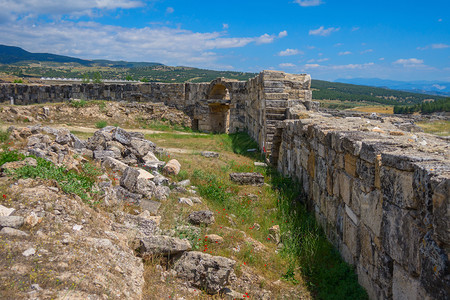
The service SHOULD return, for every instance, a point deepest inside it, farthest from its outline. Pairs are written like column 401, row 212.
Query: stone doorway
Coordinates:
column 219, row 117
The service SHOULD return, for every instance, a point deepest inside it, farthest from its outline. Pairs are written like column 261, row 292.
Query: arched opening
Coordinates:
column 219, row 117
column 219, row 92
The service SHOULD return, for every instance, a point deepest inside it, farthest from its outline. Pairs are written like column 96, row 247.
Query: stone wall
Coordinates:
column 381, row 195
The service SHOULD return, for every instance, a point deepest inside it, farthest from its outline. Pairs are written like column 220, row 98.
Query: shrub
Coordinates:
column 77, row 104
column 4, row 136
column 101, row 124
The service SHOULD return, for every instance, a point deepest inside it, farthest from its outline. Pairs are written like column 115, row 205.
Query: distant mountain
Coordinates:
column 440, row 88
column 12, row 55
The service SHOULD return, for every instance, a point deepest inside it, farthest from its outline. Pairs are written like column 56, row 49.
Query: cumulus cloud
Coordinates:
column 282, row 34
column 52, row 7
column 409, row 62
column 307, row 3
column 322, row 31
column 344, row 53
column 289, row 52
column 287, row 65
column 94, row 40
column 312, row 66
column 318, row 60
column 434, row 46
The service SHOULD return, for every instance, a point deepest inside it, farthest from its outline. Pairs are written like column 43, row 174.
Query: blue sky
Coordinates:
column 399, row 40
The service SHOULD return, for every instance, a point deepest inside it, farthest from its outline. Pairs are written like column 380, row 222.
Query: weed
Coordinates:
column 78, row 104
column 101, row 124
column 69, row 181
column 4, row 136
column 9, row 156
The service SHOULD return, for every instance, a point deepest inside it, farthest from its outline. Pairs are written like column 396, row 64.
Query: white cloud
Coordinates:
column 170, row 10
column 92, row 40
column 439, row 20
column 439, row 87
column 355, row 28
column 307, row 3
column 282, row 34
column 289, row 52
column 434, row 46
column 322, row 31
column 366, row 51
column 340, row 67
column 338, row 45
column 439, row 46
column 225, row 26
column 286, row 65
column 57, row 7
column 318, row 60
column 311, row 47
column 344, row 53
column 409, row 62
column 312, row 66
column 381, row 58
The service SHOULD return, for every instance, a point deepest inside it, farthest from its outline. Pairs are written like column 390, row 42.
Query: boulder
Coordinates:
column 172, row 167
column 160, row 180
column 13, row 232
column 201, row 217
column 125, row 195
column 145, row 186
column 204, row 271
column 103, row 154
column 11, row 221
column 114, row 164
column 151, row 206
column 141, row 147
column 247, row 178
column 274, row 234
column 161, row 192
column 121, row 136
column 99, row 139
column 63, row 137
column 163, row 245
column 5, row 211
column 77, row 143
column 186, row 201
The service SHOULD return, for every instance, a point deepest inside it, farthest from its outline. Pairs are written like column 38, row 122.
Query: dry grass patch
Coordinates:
column 441, row 127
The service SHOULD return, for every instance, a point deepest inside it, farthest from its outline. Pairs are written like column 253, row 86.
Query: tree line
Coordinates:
column 442, row 105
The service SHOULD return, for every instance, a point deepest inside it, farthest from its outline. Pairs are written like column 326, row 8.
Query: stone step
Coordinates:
column 276, row 116
column 275, row 110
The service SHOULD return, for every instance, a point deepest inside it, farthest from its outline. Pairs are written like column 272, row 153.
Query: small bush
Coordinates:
column 78, row 104
column 101, row 124
column 4, row 136
column 9, row 156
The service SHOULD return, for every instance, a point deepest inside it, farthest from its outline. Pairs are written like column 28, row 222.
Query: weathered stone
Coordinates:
column 114, row 164
column 247, row 178
column 397, row 187
column 201, row 217
column 151, row 206
column 129, row 178
column 161, row 192
column 13, row 232
column 163, row 245
column 121, row 136
column 11, row 221
column 145, row 186
column 275, row 234
column 172, row 167
column 5, row 211
column 202, row 270
column 102, row 154
column 210, row 154
column 186, row 201
column 125, row 195
column 141, row 147
column 14, row 165
column 214, row 238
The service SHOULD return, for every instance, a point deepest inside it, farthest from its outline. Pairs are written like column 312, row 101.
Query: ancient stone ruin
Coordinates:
column 379, row 189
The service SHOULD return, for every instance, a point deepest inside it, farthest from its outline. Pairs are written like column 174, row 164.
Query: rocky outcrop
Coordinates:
column 204, row 271
column 204, row 217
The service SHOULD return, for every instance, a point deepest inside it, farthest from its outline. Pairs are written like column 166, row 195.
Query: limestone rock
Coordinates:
column 172, row 167
column 201, row 217
column 163, row 245
column 247, row 178
column 210, row 154
column 13, row 232
column 5, row 211
column 214, row 238
column 186, row 201
column 161, row 192
column 14, row 165
column 114, row 164
column 205, row 271
column 275, row 234
column 11, row 221
column 121, row 136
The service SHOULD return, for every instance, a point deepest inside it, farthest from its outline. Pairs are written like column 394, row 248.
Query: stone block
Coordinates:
column 402, row 236
column 350, row 164
column 405, row 286
column 397, row 187
column 371, row 205
column 345, row 187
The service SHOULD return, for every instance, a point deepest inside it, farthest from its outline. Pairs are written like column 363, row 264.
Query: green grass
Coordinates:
column 4, row 136
column 162, row 125
column 9, row 156
column 80, row 183
column 101, row 124
column 77, row 104
column 441, row 128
